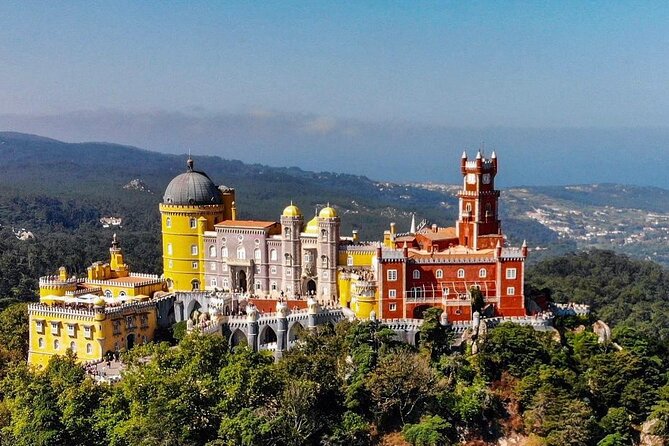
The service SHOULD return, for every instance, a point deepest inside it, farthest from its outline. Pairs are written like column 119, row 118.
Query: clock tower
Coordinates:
column 478, row 225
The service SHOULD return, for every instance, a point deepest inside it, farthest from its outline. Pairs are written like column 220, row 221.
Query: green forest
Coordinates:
column 351, row 384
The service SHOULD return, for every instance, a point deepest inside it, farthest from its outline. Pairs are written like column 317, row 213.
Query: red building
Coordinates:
column 442, row 266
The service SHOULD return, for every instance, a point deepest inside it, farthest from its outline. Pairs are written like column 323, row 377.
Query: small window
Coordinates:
column 108, row 294
column 40, row 342
column 439, row 274
column 392, row 294
column 195, row 284
column 272, row 270
column 194, row 265
column 392, row 275
column 240, row 238
column 213, row 282
column 212, row 266
column 461, row 273
column 392, row 307
column 326, row 274
column 73, row 347
column 416, row 274
column 511, row 273
column 193, row 223
column 324, row 234
column 273, row 255
column 510, row 291
column 169, row 249
column 89, row 348
column 289, row 260
column 121, row 294
column 168, row 222
column 289, row 272
column 56, row 344
column 40, row 326
column 324, row 262
column 193, row 249
column 257, row 285
column 71, row 329
column 55, row 328
column 224, row 252
column 273, row 286
column 170, row 263
column 257, row 254
column 349, row 261
column 212, row 251
column 483, row 273
column 241, row 253
column 225, row 284
column 445, row 291
column 87, row 331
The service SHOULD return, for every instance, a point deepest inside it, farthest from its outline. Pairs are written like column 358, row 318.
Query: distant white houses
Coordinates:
column 111, row 221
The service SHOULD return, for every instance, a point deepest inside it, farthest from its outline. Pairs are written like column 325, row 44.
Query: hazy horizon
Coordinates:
column 565, row 92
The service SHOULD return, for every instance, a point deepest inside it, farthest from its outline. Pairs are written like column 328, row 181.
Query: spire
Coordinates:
column 413, row 224
column 114, row 242
column 464, row 154
column 478, row 155
column 189, row 162
column 493, row 155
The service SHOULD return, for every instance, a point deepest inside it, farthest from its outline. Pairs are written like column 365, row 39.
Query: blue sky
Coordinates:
column 295, row 82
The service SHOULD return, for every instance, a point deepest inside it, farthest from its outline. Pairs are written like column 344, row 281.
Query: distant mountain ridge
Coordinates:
column 94, row 174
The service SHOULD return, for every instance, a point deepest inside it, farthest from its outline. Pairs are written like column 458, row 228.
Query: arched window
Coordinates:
column 212, row 251
column 193, row 250
column 324, row 262
column 73, row 347
column 213, row 282
column 193, row 223
column 349, row 261
column 273, row 255
column 108, row 294
column 169, row 249
column 461, row 273
column 439, row 274
column 121, row 293
column 168, row 222
column 289, row 260
column 224, row 252
column 89, row 348
column 324, row 234
column 483, row 273
column 195, row 284
column 256, row 254
column 241, row 253
column 287, row 232
column 56, row 344
column 445, row 291
column 225, row 284
column 273, row 286
column 416, row 274
column 41, row 342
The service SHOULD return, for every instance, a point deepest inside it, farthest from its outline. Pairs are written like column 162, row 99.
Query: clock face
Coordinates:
column 486, row 178
column 471, row 178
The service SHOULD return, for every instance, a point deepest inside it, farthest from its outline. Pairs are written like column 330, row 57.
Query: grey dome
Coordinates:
column 192, row 188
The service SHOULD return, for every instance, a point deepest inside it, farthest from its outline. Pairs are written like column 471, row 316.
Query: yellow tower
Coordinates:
column 192, row 204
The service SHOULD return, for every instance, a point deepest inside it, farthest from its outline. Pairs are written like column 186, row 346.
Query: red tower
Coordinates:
column 478, row 226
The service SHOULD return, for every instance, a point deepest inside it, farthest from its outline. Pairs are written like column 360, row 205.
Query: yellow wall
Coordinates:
column 102, row 337
column 178, row 266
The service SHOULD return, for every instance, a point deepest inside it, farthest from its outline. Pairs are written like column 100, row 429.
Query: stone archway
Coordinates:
column 241, row 281
column 193, row 306
column 311, row 287
column 267, row 335
column 130, row 341
column 295, row 332
column 238, row 337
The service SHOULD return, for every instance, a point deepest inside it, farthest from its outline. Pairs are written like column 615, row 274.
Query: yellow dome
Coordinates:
column 312, row 226
column 327, row 212
column 292, row 211
column 99, row 302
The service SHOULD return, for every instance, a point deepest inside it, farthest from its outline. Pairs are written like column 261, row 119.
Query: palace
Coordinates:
column 109, row 310
column 215, row 264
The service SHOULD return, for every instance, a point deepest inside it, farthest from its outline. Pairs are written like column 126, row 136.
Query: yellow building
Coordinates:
column 111, row 309
column 192, row 204
column 356, row 278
